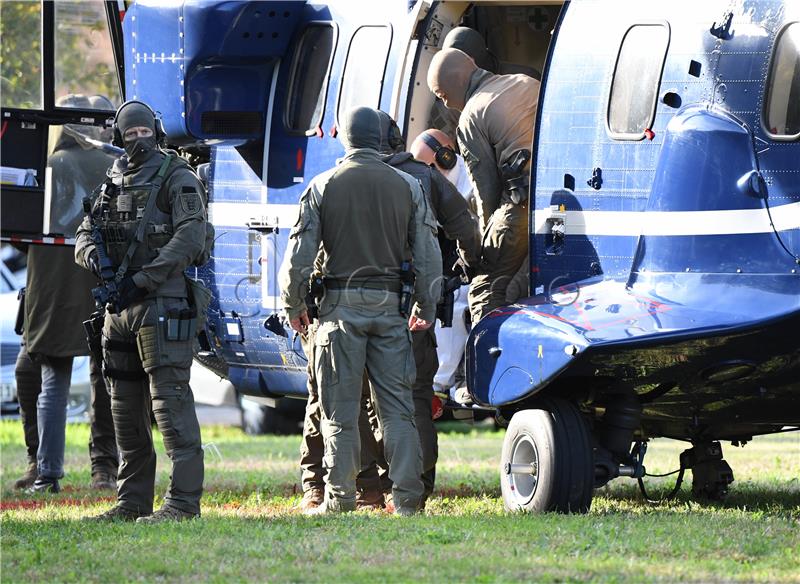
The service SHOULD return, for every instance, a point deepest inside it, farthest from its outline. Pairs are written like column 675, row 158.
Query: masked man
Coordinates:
column 495, row 134
column 151, row 213
column 377, row 233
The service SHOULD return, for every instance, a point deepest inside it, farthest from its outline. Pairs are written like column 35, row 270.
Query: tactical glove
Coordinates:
column 93, row 262
column 129, row 293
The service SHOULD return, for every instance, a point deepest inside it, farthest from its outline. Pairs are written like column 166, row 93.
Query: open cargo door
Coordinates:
column 61, row 83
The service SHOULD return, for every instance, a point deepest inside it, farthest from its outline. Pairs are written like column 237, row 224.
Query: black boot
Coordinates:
column 45, row 485
column 104, row 481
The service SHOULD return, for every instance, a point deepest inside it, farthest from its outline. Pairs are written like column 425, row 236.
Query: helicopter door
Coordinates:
column 60, row 86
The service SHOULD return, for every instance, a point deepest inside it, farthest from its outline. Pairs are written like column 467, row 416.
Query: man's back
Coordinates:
column 504, row 106
column 365, row 218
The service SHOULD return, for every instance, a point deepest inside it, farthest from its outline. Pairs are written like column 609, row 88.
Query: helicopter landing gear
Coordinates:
column 547, row 461
column 711, row 475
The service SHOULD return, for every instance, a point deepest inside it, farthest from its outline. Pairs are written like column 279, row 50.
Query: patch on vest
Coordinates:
column 190, row 200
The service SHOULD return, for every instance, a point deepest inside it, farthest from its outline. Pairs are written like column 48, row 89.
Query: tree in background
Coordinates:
column 20, row 57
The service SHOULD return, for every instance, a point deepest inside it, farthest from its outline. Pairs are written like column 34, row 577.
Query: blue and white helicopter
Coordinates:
column 664, row 216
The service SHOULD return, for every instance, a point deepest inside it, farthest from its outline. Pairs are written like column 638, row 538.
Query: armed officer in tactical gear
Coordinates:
column 376, row 230
column 495, row 134
column 151, row 213
column 450, row 209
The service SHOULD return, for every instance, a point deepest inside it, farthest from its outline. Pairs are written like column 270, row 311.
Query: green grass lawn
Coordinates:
column 249, row 530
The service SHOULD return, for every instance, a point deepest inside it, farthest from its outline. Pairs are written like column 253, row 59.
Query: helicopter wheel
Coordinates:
column 547, row 461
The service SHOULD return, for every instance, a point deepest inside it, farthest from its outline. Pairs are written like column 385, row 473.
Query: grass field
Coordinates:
column 249, row 530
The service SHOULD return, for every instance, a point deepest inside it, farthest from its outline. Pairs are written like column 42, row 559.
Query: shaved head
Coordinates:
column 448, row 77
column 424, row 153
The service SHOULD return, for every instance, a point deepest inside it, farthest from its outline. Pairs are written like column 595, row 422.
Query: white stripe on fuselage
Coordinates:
column 635, row 223
column 621, row 223
column 239, row 214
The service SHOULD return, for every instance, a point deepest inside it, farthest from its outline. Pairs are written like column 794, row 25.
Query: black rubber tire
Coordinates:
column 558, row 437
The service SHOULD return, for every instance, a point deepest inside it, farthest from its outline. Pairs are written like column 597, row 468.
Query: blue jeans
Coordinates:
column 51, row 410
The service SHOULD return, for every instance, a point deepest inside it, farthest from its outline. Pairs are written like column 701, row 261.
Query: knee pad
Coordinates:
column 177, row 423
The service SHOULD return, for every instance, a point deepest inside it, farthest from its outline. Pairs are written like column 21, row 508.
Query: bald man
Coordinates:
column 432, row 141
column 498, row 113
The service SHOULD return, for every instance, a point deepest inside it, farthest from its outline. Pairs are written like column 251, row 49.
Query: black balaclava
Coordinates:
column 361, row 128
column 471, row 42
column 391, row 137
column 132, row 115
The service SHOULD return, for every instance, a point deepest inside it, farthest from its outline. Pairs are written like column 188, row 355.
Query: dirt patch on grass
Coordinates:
column 28, row 504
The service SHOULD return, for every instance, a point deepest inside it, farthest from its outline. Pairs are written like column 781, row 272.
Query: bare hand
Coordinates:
column 301, row 323
column 417, row 324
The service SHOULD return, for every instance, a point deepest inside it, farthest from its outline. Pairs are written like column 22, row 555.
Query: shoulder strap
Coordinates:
column 148, row 212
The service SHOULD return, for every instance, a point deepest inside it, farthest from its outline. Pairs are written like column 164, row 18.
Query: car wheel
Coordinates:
column 547, row 460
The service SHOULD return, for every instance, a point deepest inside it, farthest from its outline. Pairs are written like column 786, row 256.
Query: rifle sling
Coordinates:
column 148, row 212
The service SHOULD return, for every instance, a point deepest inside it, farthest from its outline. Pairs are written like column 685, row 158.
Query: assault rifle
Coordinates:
column 106, row 295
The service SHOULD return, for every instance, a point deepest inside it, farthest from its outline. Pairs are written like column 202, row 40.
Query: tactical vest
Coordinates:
column 122, row 213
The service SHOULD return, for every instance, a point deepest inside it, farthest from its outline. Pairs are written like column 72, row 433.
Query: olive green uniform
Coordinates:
column 369, row 218
column 312, row 446
column 141, row 364
column 496, row 122
column 451, row 211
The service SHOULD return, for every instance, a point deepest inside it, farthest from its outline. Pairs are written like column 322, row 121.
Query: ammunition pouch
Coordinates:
column 167, row 342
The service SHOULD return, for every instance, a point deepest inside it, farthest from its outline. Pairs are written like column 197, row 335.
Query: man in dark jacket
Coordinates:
column 57, row 301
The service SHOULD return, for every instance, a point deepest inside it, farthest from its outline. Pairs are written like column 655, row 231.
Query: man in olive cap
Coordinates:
column 495, row 129
column 152, row 211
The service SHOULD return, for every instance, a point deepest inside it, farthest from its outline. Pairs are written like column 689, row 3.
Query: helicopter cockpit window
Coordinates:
column 634, row 88
column 363, row 72
column 782, row 109
column 84, row 58
column 308, row 88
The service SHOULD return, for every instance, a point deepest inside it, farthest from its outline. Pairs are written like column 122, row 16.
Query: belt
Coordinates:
column 391, row 286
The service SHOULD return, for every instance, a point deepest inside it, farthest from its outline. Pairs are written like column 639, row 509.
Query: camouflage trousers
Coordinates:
column 144, row 370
